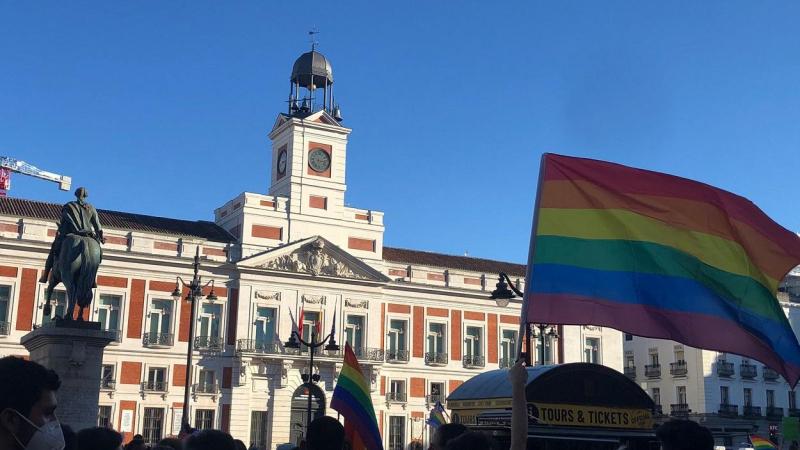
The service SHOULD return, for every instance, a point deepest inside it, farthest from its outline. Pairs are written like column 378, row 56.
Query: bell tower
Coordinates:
column 309, row 143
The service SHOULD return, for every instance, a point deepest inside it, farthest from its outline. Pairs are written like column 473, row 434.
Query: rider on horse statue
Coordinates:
column 75, row 254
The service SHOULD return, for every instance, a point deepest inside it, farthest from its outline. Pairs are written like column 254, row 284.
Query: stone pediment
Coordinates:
column 314, row 256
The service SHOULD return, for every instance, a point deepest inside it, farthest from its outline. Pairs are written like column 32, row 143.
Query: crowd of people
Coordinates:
column 28, row 421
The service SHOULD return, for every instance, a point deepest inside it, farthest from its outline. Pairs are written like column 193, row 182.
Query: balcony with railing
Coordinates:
column 748, row 371
column 397, row 356
column 652, row 371
column 724, row 368
column 728, row 410
column 473, row 361
column 205, row 388
column 209, row 343
column 254, row 346
column 679, row 409
column 116, row 334
column 630, row 372
column 774, row 412
column 435, row 359
column 658, row 410
column 505, row 363
column 5, row 328
column 154, row 386
column 431, row 399
column 107, row 384
column 367, row 353
column 678, row 369
column 395, row 397
column 769, row 374
column 751, row 411
column 157, row 340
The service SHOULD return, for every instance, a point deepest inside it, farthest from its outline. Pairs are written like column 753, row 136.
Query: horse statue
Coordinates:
column 74, row 256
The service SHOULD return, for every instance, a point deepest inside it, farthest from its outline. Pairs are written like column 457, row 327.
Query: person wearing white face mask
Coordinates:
column 28, row 406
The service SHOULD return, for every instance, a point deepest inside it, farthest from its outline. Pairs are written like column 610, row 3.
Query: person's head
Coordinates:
column 137, row 443
column 210, row 440
column 99, row 438
column 28, row 404
column 684, row 435
column 239, row 444
column 173, row 443
column 472, row 440
column 446, row 433
column 324, row 433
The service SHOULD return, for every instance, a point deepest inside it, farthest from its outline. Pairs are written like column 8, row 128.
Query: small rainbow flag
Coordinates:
column 760, row 443
column 659, row 256
column 436, row 417
column 352, row 399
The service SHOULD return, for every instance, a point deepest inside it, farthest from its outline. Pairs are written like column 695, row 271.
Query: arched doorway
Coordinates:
column 300, row 410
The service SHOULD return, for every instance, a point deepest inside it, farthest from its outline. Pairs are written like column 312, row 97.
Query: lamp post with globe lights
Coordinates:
column 194, row 291
column 503, row 293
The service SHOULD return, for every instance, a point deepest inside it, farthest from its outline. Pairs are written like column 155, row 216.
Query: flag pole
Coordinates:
column 523, row 319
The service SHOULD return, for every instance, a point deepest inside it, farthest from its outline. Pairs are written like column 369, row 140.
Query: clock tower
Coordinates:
column 307, row 185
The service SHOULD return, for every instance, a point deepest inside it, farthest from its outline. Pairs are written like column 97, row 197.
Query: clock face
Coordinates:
column 282, row 162
column 319, row 160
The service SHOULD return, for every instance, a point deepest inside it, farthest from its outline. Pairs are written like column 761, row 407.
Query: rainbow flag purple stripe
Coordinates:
column 660, row 256
column 351, row 398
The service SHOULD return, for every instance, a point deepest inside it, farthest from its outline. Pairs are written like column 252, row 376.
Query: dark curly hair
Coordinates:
column 22, row 383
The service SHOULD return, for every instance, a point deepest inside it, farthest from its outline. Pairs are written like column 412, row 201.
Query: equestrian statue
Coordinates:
column 75, row 255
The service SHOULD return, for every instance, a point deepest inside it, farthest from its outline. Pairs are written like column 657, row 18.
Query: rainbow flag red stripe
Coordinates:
column 660, row 256
column 351, row 398
column 760, row 443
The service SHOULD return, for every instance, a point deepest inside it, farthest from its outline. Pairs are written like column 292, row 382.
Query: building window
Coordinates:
column 258, row 430
column 107, row 377
column 396, row 345
column 208, row 329
column 629, row 361
column 156, row 377
column 153, row 425
column 264, row 327
column 436, row 334
column 679, row 355
column 792, row 399
column 436, row 393
column 656, row 394
column 354, row 332
column 58, row 304
column 104, row 416
column 653, row 358
column 473, row 342
column 680, row 393
column 204, row 419
column 591, row 351
column 724, row 395
column 310, row 319
column 397, row 391
column 748, row 397
column 770, row 398
column 508, row 347
column 160, row 322
column 397, row 433
column 5, row 316
column 108, row 313
column 549, row 343
column 206, row 382
column 628, row 337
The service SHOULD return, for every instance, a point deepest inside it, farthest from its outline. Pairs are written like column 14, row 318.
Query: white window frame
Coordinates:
column 42, row 300
column 364, row 331
column 321, row 316
column 12, row 303
column 167, row 374
column 123, row 302
column 428, row 334
column 678, row 396
column 256, row 318
column 512, row 348
column 403, row 336
column 112, row 417
column 175, row 313
column 201, row 315
column 482, row 338
column 599, row 348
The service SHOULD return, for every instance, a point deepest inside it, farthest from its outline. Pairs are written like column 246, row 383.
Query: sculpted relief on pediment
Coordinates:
column 313, row 258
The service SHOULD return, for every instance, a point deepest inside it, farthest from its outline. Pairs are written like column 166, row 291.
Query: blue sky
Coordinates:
column 168, row 104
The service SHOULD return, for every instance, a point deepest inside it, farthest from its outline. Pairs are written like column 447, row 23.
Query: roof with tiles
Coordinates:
column 120, row 220
column 468, row 263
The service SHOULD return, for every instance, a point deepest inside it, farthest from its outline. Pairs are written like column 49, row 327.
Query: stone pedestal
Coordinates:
column 75, row 351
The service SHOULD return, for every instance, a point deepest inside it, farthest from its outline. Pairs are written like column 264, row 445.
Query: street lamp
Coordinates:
column 503, row 293
column 194, row 292
column 311, row 378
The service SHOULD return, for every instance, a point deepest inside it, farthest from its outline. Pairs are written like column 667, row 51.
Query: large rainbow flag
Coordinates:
column 660, row 256
column 351, row 398
column 760, row 443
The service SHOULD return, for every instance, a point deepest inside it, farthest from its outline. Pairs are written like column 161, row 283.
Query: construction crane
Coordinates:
column 9, row 165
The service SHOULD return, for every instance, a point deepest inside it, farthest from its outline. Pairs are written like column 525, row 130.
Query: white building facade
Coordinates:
column 732, row 395
column 421, row 323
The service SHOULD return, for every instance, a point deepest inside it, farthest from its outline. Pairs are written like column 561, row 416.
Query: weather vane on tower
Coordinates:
column 311, row 37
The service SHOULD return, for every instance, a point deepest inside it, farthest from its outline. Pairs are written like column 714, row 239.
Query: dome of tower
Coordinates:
column 312, row 68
